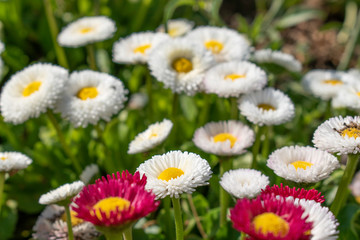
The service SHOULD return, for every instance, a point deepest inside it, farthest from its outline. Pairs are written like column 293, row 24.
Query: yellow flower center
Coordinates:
column 142, row 49
column 222, row 137
column 358, row 94
column 214, row 46
column 74, row 220
column 153, row 135
column 333, row 82
column 110, row 204
column 266, row 107
column 87, row 92
column 170, row 173
column 351, row 132
column 31, row 88
column 3, row 158
column 86, row 30
column 173, row 32
column 234, row 76
column 357, row 199
column 182, row 65
column 302, row 164
column 271, row 223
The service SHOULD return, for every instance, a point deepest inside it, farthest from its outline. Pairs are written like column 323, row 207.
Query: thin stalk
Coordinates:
column 149, row 93
column 215, row 17
column 350, row 46
column 243, row 236
column 90, row 49
column 128, row 234
column 234, row 108
column 178, row 219
column 2, row 184
column 169, row 227
column 109, row 160
column 113, row 235
column 343, row 188
column 256, row 146
column 63, row 143
column 59, row 51
column 266, row 143
column 225, row 165
column 196, row 216
column 175, row 107
column 68, row 222
column 203, row 118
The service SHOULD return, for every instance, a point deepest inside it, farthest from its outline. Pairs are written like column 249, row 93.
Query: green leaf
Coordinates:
column 8, row 220
column 346, row 219
column 298, row 17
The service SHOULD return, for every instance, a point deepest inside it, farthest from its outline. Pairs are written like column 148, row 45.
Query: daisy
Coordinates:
column 137, row 47
column 270, row 218
column 348, row 96
column 355, row 73
column 113, row 204
column 302, row 164
column 339, row 135
column 175, row 173
column 230, row 79
column 282, row 59
column 177, row 27
column 244, row 183
column 90, row 96
column 180, row 65
column 12, row 162
column 226, row 138
column 355, row 187
column 325, row 84
column 267, row 107
column 62, row 194
column 225, row 44
column 32, row 91
column 86, row 30
column 153, row 136
column 88, row 173
column 51, row 225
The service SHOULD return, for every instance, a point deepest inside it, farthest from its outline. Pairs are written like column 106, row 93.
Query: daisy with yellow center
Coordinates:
column 32, row 91
column 231, row 79
column 137, row 47
column 153, row 136
column 348, row 96
column 225, row 138
column 86, row 30
column 90, row 96
column 302, row 164
column 225, row 44
column 11, row 162
column 279, row 58
column 177, row 27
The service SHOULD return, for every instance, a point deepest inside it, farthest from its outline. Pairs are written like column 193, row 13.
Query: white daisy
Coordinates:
column 86, row 30
column 90, row 96
column 325, row 84
column 226, row 138
column 339, row 135
column 244, row 183
column 355, row 187
column 230, row 79
column 180, row 65
column 51, row 225
column 89, row 172
column 282, row 59
column 224, row 43
column 32, row 91
column 137, row 47
column 324, row 223
column 153, row 136
column 13, row 161
column 355, row 73
column 62, row 194
column 175, row 173
column 302, row 164
column 267, row 107
column 348, row 96
column 177, row 27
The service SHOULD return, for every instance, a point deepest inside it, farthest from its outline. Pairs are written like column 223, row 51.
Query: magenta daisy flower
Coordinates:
column 114, row 203
column 270, row 218
column 299, row 193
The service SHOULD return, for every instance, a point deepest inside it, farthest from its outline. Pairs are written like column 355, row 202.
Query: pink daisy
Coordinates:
column 270, row 218
column 299, row 193
column 116, row 201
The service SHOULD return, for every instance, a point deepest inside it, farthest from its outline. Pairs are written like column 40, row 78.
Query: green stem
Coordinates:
column 225, row 165
column 243, row 236
column 59, row 51
column 128, row 234
column 343, row 188
column 350, row 46
column 175, row 107
column 234, row 108
column 149, row 93
column 270, row 15
column 178, row 219
column 109, row 163
column 203, row 118
column 90, row 49
column 256, row 146
column 68, row 221
column 63, row 143
column 215, row 9
column 112, row 235
column 196, row 216
column 266, row 143
column 169, row 227
column 2, row 184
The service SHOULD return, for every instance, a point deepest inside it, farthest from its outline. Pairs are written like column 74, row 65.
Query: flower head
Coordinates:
column 177, row 27
column 282, row 59
column 13, row 161
column 226, row 138
column 63, row 194
column 175, row 173
column 347, row 96
column 86, row 30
